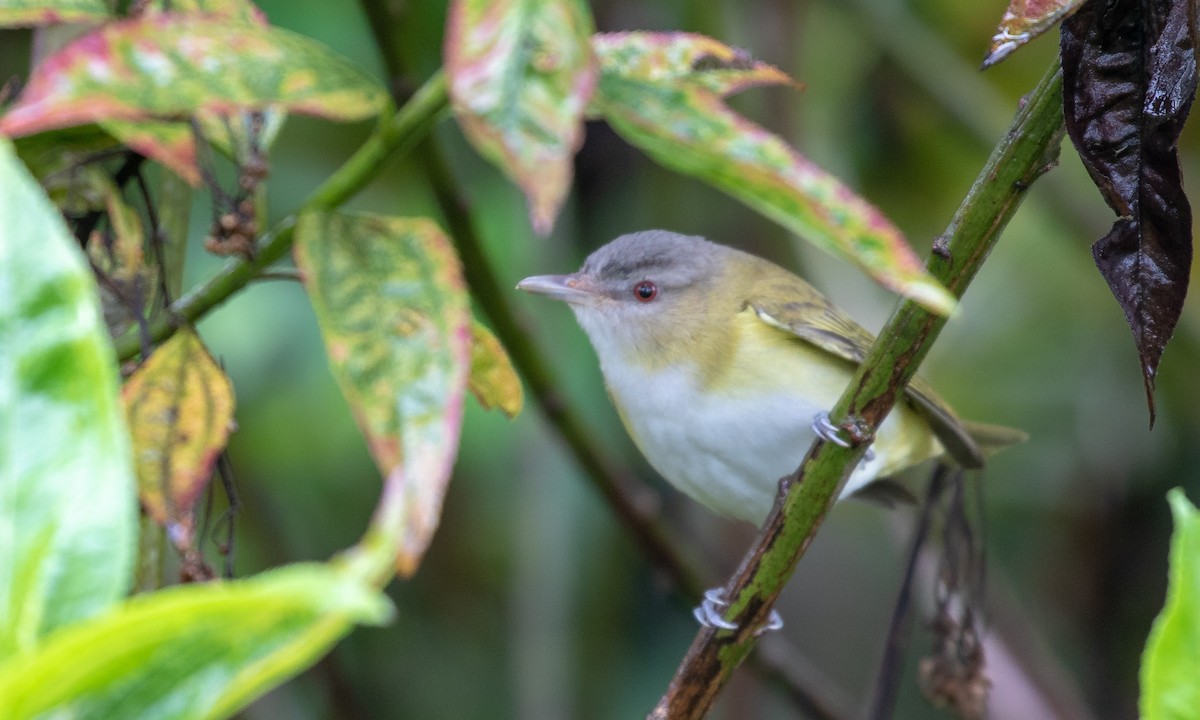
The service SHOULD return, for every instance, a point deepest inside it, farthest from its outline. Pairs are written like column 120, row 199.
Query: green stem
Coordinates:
column 1027, row 151
column 396, row 135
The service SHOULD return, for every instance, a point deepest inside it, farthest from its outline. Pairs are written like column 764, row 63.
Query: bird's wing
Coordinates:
column 819, row 323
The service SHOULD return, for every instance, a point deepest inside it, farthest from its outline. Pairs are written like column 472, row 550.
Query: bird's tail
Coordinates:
column 993, row 438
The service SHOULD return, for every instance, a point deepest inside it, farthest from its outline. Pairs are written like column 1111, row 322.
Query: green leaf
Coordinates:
column 180, row 409
column 663, row 93
column 1171, row 661
column 168, row 66
column 390, row 300
column 493, row 381
column 521, row 73
column 66, row 476
column 195, row 651
column 45, row 12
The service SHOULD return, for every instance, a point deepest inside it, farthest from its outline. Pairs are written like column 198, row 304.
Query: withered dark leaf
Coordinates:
column 1129, row 77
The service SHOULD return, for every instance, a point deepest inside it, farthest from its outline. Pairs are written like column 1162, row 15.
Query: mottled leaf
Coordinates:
column 390, row 300
column 67, row 504
column 1171, row 661
column 180, row 409
column 1129, row 77
column 170, row 66
column 493, row 380
column 15, row 13
column 521, row 73
column 663, row 93
column 195, row 651
column 1023, row 21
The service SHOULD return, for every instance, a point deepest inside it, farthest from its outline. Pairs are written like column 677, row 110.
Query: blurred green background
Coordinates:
column 531, row 602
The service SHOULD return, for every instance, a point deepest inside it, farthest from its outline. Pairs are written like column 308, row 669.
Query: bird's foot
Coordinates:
column 709, row 613
column 847, row 436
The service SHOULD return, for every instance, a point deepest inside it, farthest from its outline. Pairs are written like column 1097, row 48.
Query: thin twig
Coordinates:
column 1026, row 152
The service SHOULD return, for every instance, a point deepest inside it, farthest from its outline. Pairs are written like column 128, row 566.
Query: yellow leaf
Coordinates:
column 493, row 381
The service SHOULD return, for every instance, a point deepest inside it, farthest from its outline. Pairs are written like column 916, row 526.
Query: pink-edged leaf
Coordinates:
column 685, row 60
column 390, row 300
column 1023, row 21
column 171, row 66
column 180, row 409
column 521, row 73
column 663, row 93
column 22, row 13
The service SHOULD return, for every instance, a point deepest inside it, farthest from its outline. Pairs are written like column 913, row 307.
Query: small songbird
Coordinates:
column 723, row 367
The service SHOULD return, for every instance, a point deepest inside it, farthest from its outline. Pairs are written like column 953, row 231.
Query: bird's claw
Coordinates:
column 846, row 437
column 774, row 622
column 709, row 613
column 827, row 431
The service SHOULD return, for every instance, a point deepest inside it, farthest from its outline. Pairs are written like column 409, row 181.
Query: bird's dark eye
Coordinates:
column 645, row 291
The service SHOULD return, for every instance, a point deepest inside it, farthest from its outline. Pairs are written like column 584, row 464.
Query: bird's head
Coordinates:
column 654, row 298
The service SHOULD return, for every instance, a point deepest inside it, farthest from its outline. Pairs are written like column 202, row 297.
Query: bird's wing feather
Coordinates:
column 816, row 321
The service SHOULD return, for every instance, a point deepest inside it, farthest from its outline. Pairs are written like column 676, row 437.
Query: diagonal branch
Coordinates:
column 1028, row 150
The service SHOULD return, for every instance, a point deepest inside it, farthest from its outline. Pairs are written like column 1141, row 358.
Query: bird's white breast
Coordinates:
column 728, row 453
column 727, row 445
column 729, row 450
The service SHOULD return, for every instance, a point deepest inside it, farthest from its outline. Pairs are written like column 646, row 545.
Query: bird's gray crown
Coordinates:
column 669, row 258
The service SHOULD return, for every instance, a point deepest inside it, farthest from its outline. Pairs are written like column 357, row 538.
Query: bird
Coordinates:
column 723, row 367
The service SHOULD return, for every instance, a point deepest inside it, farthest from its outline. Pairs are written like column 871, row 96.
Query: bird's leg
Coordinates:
column 709, row 613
